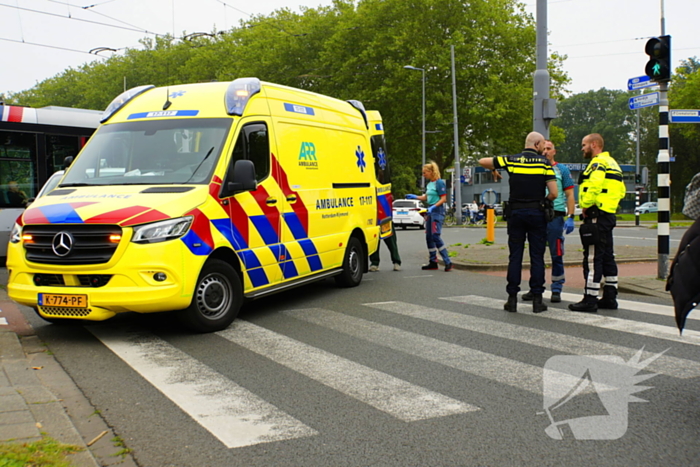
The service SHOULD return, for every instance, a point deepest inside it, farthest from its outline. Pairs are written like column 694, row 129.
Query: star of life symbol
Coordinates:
column 360, row 154
column 381, row 158
column 580, row 384
column 177, row 94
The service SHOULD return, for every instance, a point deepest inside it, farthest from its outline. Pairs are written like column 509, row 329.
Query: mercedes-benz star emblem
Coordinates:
column 62, row 243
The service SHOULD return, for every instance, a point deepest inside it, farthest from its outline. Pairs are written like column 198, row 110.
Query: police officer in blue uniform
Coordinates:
column 530, row 173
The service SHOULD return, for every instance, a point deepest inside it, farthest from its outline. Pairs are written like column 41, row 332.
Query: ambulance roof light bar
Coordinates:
column 239, row 93
column 122, row 99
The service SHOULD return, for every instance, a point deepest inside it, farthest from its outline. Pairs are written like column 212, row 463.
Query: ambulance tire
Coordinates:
column 217, row 298
column 353, row 265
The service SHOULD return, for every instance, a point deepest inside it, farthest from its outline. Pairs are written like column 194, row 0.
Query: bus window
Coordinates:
column 17, row 170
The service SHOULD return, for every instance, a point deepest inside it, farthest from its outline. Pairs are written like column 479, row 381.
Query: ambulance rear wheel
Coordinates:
column 217, row 298
column 353, row 265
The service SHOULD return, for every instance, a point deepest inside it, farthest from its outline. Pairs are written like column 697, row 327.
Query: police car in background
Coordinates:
column 406, row 212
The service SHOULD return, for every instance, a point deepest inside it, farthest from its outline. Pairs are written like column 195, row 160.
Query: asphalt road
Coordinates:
column 411, row 368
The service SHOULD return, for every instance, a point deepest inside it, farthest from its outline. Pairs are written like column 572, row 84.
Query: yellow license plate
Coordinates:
column 385, row 228
column 63, row 300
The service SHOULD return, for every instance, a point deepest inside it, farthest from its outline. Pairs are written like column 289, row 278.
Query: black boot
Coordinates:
column 609, row 300
column 527, row 297
column 537, row 305
column 512, row 303
column 589, row 304
column 430, row 266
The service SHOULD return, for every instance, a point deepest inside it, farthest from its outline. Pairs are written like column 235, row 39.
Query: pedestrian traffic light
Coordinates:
column 638, row 179
column 659, row 65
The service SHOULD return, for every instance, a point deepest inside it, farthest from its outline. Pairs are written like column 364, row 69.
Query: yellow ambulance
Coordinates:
column 197, row 197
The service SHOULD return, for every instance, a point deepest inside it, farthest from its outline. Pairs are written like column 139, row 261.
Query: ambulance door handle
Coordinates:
column 270, row 201
column 292, row 198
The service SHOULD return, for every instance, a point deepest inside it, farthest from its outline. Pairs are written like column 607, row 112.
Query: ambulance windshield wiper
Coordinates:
column 65, row 185
column 198, row 166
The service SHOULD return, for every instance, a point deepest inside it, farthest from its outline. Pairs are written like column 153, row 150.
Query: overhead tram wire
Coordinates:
column 49, row 46
column 145, row 31
column 87, row 8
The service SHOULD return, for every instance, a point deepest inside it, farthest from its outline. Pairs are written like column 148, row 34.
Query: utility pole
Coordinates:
column 458, row 188
column 544, row 108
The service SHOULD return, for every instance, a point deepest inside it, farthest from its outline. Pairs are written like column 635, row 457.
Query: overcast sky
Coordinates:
column 41, row 38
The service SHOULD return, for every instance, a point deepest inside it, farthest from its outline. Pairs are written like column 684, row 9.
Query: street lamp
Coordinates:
column 409, row 67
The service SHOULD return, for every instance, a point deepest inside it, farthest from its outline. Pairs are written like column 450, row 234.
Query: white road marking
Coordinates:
column 591, row 319
column 672, row 366
column 653, row 308
column 384, row 392
column 503, row 370
column 645, row 238
column 236, row 416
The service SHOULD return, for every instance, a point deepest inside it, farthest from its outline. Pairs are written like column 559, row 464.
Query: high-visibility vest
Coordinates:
column 601, row 184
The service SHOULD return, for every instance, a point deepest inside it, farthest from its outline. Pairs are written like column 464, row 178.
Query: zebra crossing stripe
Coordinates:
column 504, row 370
column 671, row 366
column 236, row 416
column 591, row 319
column 652, row 308
column 384, row 392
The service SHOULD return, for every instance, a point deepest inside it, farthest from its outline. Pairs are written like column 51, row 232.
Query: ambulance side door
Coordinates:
column 255, row 215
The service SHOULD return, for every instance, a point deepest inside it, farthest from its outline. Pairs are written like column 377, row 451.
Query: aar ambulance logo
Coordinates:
column 360, row 154
column 307, row 156
column 587, row 397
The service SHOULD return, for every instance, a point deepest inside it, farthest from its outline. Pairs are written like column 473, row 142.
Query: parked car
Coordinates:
column 406, row 212
column 577, row 210
column 647, row 208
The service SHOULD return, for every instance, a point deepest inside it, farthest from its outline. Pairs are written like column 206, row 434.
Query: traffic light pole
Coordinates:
column 663, row 178
column 663, row 184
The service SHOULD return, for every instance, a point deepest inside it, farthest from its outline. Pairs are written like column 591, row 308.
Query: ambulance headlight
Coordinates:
column 16, row 234
column 162, row 230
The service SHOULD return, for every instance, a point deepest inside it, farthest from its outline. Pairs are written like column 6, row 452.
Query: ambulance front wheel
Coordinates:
column 217, row 298
column 353, row 265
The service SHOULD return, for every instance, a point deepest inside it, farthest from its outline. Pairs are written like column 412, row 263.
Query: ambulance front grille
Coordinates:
column 59, row 312
column 89, row 243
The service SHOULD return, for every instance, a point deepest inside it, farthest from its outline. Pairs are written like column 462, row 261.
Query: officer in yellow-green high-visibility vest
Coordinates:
column 600, row 190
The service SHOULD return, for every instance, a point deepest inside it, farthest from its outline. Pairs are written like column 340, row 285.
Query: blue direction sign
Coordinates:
column 640, row 82
column 684, row 116
column 645, row 100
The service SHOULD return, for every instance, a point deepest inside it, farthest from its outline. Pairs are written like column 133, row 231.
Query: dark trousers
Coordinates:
column 599, row 260
column 393, row 246
column 527, row 224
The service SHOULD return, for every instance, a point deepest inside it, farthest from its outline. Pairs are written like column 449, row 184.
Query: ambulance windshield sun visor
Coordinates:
column 152, row 152
column 239, row 93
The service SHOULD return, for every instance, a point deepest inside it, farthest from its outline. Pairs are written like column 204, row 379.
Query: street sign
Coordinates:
column 640, row 82
column 684, row 116
column 488, row 197
column 645, row 100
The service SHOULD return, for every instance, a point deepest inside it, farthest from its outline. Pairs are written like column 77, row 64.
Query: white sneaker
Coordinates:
column 373, row 268
column 397, row 267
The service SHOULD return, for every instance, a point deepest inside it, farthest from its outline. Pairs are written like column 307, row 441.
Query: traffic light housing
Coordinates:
column 638, row 179
column 659, row 65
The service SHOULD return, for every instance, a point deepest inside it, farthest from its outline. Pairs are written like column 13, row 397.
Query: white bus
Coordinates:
column 33, row 145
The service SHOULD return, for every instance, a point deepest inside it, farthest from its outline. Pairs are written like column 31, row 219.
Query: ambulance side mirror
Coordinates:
column 243, row 177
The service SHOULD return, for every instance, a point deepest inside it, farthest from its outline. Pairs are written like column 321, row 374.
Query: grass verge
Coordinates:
column 46, row 452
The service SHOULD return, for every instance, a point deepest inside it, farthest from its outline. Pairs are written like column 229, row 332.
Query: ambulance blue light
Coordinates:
column 239, row 93
column 121, row 100
column 360, row 106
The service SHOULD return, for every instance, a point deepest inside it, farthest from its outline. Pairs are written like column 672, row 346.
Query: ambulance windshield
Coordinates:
column 151, row 152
